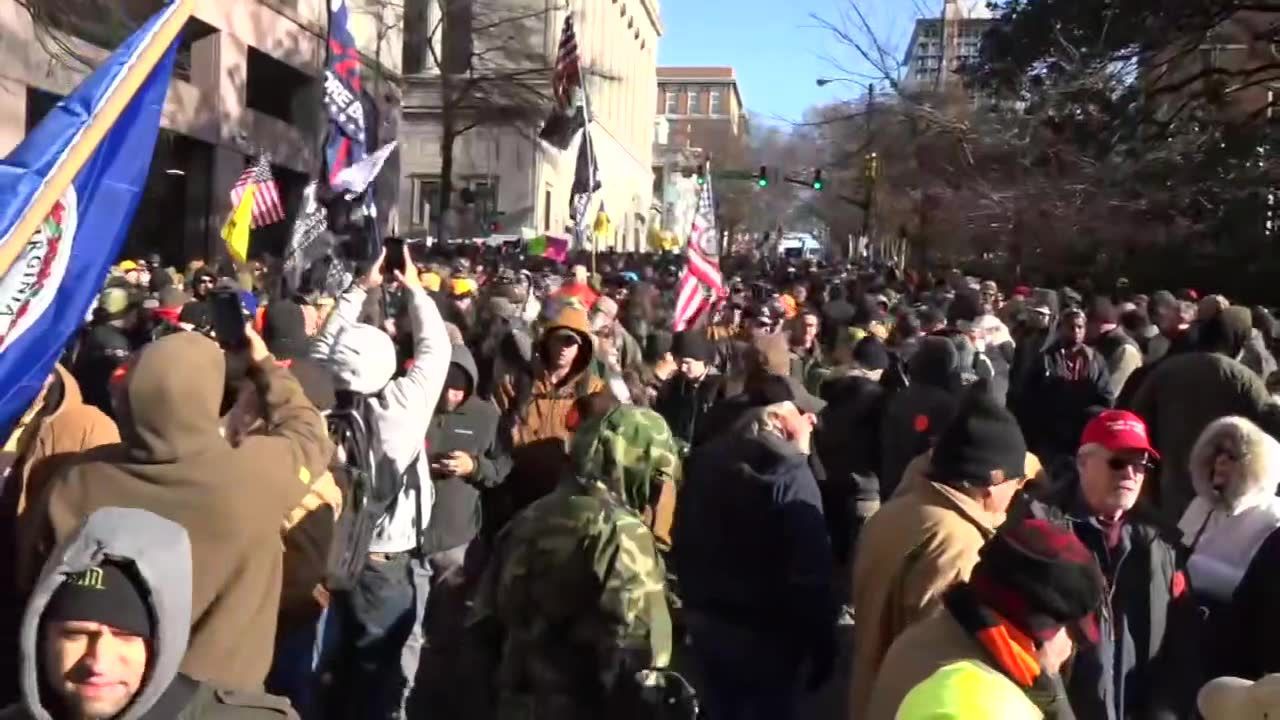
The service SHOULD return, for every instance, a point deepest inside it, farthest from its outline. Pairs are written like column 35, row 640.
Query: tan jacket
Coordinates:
column 925, row 648
column 60, row 436
column 914, row 548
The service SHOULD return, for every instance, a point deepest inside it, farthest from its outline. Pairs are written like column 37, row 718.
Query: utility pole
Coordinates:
column 872, row 167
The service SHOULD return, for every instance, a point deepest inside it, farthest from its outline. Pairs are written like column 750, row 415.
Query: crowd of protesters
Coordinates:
column 492, row 487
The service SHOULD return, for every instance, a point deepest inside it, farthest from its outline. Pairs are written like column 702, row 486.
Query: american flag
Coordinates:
column 568, row 71
column 267, row 206
column 701, row 271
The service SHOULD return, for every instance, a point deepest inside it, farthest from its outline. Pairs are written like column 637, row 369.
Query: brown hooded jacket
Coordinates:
column 538, row 411
column 175, row 463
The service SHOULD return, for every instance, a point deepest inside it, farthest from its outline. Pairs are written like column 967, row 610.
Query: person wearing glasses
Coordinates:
column 1140, row 668
column 198, row 312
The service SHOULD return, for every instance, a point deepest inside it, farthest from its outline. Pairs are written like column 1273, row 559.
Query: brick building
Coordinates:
column 701, row 118
column 1237, row 61
column 703, row 109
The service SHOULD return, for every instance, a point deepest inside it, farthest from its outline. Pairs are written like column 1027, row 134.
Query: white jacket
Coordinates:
column 402, row 409
column 1226, row 529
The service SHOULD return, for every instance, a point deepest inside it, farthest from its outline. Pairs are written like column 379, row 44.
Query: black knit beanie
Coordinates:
column 285, row 329
column 870, row 354
column 693, row 344
column 111, row 594
column 982, row 445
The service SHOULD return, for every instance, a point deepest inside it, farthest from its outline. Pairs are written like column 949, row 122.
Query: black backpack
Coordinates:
column 366, row 493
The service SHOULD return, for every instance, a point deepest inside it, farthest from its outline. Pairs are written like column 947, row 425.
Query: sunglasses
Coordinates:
column 1119, row 463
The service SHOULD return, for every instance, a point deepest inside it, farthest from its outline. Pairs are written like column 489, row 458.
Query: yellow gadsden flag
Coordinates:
column 603, row 227
column 236, row 232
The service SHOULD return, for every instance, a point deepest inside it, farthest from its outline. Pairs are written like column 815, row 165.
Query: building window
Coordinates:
column 194, row 31
column 273, row 86
column 425, row 191
column 717, row 103
column 672, row 100
column 546, row 210
column 480, row 196
column 695, row 102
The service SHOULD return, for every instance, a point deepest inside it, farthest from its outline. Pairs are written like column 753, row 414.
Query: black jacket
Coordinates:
column 848, row 436
column 197, row 313
column 685, row 404
column 915, row 415
column 1001, row 357
column 471, row 428
column 1053, row 409
column 1243, row 634
column 1147, row 665
column 105, row 348
column 750, row 545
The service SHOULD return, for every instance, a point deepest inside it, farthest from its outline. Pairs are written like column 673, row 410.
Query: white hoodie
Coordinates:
column 402, row 409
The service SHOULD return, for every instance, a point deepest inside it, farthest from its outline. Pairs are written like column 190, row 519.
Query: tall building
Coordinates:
column 505, row 179
column 703, row 108
column 941, row 45
column 701, row 119
column 1235, row 61
column 247, row 80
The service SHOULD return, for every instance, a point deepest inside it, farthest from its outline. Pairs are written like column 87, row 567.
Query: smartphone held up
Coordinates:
column 228, row 320
column 393, row 257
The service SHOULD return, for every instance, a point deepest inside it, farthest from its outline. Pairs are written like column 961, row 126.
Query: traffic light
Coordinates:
column 817, row 180
column 701, row 177
column 763, row 178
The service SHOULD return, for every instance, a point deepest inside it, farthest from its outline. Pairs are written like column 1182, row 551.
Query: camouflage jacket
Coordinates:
column 576, row 584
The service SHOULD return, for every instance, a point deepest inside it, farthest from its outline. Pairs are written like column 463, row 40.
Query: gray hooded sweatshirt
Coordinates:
column 161, row 553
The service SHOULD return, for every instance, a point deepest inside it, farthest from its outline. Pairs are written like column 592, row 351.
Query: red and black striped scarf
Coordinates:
column 1013, row 651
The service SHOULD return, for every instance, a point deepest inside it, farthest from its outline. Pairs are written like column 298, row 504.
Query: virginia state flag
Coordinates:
column 67, row 197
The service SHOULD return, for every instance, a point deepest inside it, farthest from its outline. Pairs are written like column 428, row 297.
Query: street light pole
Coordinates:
column 872, row 167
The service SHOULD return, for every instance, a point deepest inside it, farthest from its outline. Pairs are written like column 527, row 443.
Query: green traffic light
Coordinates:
column 702, row 180
column 763, row 182
column 817, row 185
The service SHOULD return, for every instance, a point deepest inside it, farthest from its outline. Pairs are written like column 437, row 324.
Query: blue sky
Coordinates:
column 775, row 47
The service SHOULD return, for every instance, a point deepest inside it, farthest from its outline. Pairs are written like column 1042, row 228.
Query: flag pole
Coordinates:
column 96, row 129
column 591, row 157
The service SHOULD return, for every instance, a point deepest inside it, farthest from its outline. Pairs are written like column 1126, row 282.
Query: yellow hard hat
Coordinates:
column 463, row 286
column 431, row 281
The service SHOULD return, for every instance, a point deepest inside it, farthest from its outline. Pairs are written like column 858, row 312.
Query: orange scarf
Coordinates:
column 1015, row 652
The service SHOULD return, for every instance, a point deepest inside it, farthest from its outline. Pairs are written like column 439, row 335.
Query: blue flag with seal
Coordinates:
column 67, row 196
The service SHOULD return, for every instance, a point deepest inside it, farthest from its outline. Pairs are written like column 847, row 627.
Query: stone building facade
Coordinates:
column 514, row 183
column 247, row 80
